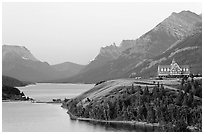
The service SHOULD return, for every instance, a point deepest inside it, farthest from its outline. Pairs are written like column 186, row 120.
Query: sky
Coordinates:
column 75, row 32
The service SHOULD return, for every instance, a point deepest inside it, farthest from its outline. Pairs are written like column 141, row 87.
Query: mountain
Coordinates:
column 106, row 54
column 9, row 52
column 18, row 62
column 118, row 61
column 185, row 52
column 12, row 82
column 68, row 68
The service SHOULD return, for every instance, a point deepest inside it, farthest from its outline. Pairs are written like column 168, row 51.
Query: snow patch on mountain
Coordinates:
column 17, row 51
column 25, row 58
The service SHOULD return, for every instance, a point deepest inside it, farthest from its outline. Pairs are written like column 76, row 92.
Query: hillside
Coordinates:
column 68, row 68
column 140, row 102
column 186, row 52
column 12, row 82
column 12, row 93
column 9, row 92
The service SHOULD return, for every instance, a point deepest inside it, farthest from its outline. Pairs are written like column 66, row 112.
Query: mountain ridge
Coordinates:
column 20, row 63
column 153, row 43
column 131, row 56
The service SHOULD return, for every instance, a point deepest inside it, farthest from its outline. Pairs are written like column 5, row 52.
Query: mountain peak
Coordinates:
column 184, row 12
column 17, row 51
column 180, row 24
column 111, row 52
column 187, row 15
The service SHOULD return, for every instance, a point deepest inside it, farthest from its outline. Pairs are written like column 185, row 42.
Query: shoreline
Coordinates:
column 30, row 101
column 148, row 126
column 153, row 127
column 16, row 101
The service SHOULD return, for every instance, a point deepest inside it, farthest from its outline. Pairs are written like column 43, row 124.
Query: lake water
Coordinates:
column 49, row 91
column 35, row 117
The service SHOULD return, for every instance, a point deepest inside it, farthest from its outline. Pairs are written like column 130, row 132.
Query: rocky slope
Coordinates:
column 106, row 54
column 185, row 52
column 10, row 52
column 118, row 61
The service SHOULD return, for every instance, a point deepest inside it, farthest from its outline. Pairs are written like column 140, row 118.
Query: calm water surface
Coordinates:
column 36, row 117
column 49, row 91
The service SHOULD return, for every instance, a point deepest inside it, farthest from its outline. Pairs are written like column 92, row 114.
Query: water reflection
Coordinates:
column 116, row 127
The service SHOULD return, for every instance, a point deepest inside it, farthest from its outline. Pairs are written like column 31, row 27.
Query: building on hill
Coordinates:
column 173, row 70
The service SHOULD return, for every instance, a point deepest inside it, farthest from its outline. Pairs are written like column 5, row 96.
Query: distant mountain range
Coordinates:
column 179, row 36
column 142, row 56
column 18, row 62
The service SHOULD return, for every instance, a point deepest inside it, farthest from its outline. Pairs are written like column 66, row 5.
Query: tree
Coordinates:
column 146, row 91
column 182, row 81
column 187, row 87
column 184, row 113
column 146, row 95
column 79, row 110
column 141, row 113
column 179, row 98
column 185, row 100
column 158, row 114
column 130, row 113
column 193, row 88
column 180, row 126
column 133, row 87
column 172, row 111
column 161, row 92
column 190, row 99
column 140, row 90
column 197, row 88
column 151, row 114
column 155, row 92
column 22, row 94
column 88, row 100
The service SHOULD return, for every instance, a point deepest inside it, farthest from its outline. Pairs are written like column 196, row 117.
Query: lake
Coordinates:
column 49, row 91
column 36, row 117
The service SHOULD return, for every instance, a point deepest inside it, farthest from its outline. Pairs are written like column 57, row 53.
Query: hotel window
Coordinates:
column 186, row 69
column 162, row 69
